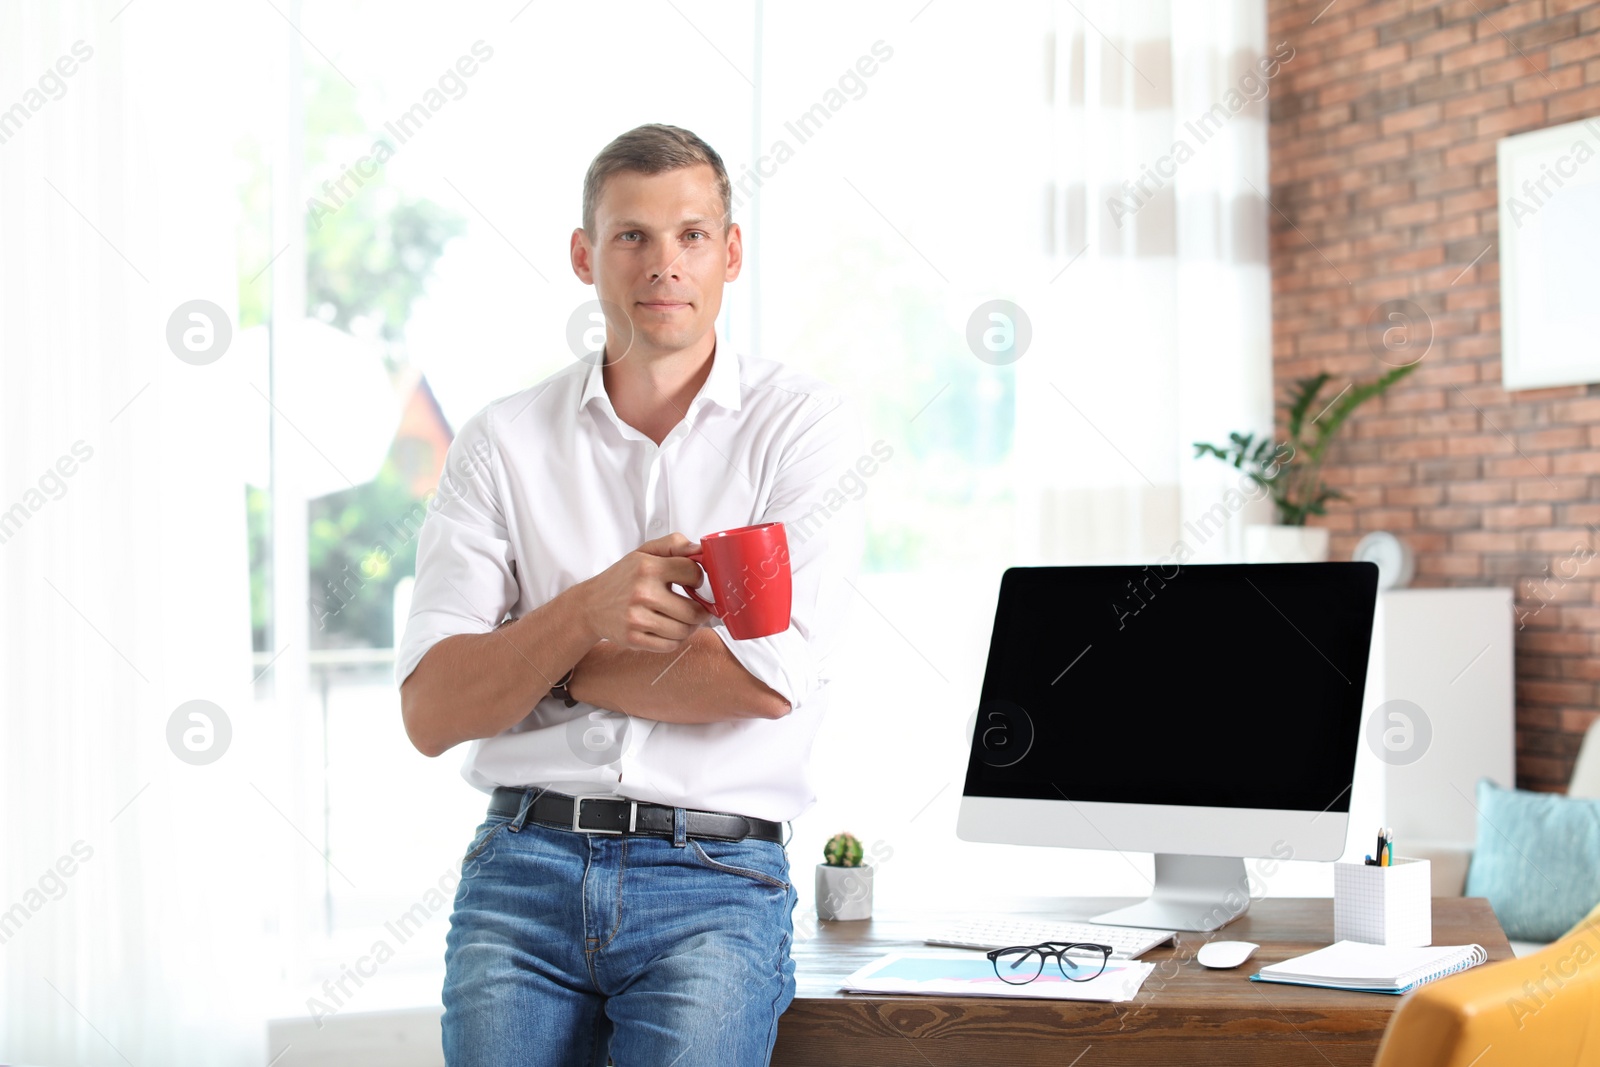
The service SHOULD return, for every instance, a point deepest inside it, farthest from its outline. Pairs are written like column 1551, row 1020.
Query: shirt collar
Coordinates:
column 721, row 385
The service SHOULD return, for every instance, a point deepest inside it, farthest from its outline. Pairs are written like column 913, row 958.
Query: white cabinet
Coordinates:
column 1440, row 715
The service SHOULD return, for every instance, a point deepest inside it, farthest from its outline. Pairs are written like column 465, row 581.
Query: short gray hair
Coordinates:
column 652, row 149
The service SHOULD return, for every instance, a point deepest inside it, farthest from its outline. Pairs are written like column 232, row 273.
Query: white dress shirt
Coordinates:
column 548, row 487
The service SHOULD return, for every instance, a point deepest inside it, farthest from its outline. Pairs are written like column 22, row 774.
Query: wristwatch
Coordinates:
column 560, row 690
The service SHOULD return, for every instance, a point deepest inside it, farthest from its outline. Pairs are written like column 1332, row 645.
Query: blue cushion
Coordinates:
column 1537, row 860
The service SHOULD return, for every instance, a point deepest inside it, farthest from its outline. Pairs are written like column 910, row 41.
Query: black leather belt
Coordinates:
column 606, row 813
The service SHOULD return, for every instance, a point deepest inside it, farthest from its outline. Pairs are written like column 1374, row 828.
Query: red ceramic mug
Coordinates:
column 749, row 572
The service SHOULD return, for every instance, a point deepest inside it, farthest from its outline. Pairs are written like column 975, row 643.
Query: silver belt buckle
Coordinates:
column 577, row 812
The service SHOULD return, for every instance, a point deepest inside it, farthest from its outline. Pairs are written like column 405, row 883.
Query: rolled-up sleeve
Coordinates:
column 815, row 496
column 466, row 579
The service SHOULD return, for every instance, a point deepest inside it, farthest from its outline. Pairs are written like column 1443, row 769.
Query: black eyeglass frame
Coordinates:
column 1056, row 950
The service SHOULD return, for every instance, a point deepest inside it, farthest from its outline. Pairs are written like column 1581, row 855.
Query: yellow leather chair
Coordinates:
column 1541, row 1009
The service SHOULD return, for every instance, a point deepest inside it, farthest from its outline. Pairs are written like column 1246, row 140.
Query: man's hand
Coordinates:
column 632, row 605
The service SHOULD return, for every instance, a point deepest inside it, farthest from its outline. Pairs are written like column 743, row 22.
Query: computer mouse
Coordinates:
column 1224, row 954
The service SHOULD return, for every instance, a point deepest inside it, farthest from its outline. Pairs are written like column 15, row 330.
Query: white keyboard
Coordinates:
column 1127, row 942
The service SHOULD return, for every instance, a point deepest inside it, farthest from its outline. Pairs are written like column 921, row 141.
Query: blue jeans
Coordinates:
column 566, row 944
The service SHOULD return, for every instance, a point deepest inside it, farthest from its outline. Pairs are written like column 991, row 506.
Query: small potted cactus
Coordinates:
column 844, row 881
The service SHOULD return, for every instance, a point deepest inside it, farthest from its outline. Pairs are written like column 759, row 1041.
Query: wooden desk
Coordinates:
column 1183, row 1014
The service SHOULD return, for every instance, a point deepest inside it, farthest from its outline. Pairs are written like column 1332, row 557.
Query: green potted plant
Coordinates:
column 844, row 881
column 1291, row 472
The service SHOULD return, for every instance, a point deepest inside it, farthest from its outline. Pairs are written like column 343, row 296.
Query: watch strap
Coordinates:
column 560, row 690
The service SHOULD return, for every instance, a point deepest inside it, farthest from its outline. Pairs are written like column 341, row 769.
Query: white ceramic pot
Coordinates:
column 1285, row 544
column 844, row 892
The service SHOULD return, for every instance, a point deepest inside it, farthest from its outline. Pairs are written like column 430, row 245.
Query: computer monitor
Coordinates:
column 1203, row 712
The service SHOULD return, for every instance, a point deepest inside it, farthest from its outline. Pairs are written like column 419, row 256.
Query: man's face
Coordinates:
column 658, row 259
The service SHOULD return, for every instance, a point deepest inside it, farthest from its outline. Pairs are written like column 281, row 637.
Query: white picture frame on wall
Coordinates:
column 1549, row 189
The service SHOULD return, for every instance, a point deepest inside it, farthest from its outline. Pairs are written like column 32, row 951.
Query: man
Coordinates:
column 653, row 922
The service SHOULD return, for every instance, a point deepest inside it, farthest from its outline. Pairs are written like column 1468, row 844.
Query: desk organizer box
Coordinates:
column 1383, row 905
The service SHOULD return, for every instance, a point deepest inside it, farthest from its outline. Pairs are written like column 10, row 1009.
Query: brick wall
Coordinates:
column 1383, row 133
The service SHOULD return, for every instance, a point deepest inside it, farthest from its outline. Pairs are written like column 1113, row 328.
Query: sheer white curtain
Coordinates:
column 1160, row 310
column 1146, row 337
column 131, row 919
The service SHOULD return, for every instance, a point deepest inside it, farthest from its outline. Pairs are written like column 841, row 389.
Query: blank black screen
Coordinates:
column 1226, row 685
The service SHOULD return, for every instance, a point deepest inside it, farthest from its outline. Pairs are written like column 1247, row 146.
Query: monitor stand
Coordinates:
column 1191, row 893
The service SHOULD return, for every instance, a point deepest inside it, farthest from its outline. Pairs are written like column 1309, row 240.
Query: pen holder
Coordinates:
column 1390, row 905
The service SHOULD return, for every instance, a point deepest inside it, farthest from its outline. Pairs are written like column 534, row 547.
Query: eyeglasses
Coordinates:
column 1078, row 961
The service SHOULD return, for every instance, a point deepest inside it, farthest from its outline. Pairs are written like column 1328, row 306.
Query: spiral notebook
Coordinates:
column 1368, row 968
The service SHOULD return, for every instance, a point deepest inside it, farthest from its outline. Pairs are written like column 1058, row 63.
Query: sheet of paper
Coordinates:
column 963, row 974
